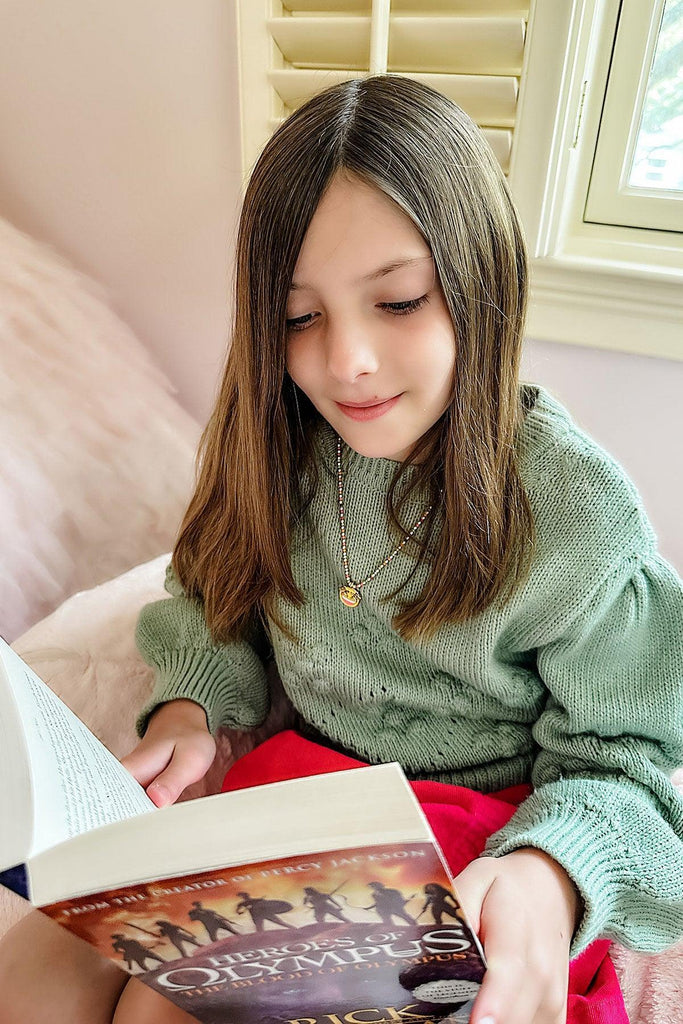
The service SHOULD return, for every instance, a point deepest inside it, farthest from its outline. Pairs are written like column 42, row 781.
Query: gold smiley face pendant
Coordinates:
column 350, row 596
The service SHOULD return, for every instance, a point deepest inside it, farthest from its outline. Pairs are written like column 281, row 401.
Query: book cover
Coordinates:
column 365, row 934
column 318, row 899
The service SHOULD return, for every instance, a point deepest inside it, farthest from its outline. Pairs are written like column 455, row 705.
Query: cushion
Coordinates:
column 86, row 652
column 97, row 456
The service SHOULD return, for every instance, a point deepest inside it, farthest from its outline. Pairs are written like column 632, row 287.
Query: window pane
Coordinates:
column 658, row 157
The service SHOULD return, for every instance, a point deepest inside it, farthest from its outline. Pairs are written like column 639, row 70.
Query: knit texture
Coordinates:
column 574, row 685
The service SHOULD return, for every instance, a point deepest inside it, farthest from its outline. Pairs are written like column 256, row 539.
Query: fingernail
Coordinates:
column 487, row 1020
column 159, row 794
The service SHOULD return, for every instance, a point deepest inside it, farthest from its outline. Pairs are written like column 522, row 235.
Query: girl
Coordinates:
column 448, row 572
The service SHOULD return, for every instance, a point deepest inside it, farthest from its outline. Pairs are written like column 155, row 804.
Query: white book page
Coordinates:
column 77, row 784
column 356, row 807
column 16, row 797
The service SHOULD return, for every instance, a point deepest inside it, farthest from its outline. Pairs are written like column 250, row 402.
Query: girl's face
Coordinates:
column 369, row 337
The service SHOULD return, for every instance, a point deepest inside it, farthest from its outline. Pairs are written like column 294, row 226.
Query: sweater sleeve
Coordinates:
column 227, row 679
column 608, row 739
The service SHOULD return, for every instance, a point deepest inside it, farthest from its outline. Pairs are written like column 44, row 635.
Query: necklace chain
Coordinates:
column 350, row 594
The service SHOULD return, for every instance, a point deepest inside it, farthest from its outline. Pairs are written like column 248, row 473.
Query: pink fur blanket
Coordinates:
column 97, row 456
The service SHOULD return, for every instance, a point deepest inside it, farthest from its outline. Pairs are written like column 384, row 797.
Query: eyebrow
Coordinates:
column 386, row 268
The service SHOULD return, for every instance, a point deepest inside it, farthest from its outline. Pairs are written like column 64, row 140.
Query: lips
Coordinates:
column 364, row 405
column 369, row 410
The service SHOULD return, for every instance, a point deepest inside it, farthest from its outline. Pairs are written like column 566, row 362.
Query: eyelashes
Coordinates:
column 300, row 323
column 401, row 308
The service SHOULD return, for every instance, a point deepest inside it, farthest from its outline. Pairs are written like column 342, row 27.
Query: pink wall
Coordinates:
column 120, row 145
column 633, row 406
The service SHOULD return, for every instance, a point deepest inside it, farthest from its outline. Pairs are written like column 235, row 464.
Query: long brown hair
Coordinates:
column 256, row 470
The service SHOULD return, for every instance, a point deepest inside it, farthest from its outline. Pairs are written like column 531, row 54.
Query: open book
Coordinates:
column 291, row 903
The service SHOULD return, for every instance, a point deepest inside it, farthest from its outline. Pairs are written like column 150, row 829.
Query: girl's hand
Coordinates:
column 525, row 908
column 177, row 750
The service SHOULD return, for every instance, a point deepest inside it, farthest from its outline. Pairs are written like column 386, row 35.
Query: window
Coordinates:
column 471, row 50
column 637, row 175
column 595, row 169
column 567, row 92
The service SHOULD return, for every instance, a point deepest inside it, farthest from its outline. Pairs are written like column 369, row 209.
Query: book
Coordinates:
column 320, row 900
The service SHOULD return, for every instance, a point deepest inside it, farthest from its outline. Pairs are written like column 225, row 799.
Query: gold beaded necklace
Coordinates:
column 349, row 594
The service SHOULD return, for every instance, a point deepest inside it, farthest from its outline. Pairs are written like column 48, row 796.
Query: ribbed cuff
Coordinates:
column 234, row 695
column 591, row 856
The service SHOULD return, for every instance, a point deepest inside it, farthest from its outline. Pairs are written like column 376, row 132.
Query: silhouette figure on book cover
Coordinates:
column 322, row 904
column 389, row 903
column 177, row 935
column 133, row 951
column 440, row 901
column 262, row 910
column 211, row 919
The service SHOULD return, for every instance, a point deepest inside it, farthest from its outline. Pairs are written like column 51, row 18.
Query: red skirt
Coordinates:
column 461, row 820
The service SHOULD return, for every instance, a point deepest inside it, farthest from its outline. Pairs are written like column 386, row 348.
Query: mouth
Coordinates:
column 369, row 410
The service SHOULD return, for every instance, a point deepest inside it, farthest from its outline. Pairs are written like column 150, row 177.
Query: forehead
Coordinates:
column 355, row 229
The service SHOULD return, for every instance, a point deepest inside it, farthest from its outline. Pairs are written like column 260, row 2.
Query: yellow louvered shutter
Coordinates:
column 470, row 50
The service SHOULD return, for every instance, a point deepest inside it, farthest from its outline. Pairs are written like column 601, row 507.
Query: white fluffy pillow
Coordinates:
column 96, row 457
column 85, row 651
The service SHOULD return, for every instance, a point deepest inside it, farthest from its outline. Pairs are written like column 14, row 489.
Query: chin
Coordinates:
column 375, row 449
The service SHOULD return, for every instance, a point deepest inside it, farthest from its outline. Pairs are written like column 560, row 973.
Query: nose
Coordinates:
column 351, row 353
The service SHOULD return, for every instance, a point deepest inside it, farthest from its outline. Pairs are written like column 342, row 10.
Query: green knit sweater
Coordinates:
column 574, row 685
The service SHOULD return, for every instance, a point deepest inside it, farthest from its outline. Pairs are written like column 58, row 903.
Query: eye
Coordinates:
column 402, row 308
column 299, row 323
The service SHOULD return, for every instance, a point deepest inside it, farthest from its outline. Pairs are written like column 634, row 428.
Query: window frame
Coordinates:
column 592, row 284
column 610, row 199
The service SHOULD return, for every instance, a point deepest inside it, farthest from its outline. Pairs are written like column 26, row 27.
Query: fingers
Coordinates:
column 189, row 763
column 516, row 992
column 527, row 957
column 148, row 760
column 176, row 751
column 471, row 887
column 525, row 980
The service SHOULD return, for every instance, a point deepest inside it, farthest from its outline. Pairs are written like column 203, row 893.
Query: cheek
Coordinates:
column 303, row 362
column 441, row 370
column 445, row 345
column 433, row 359
column 446, row 359
column 295, row 359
